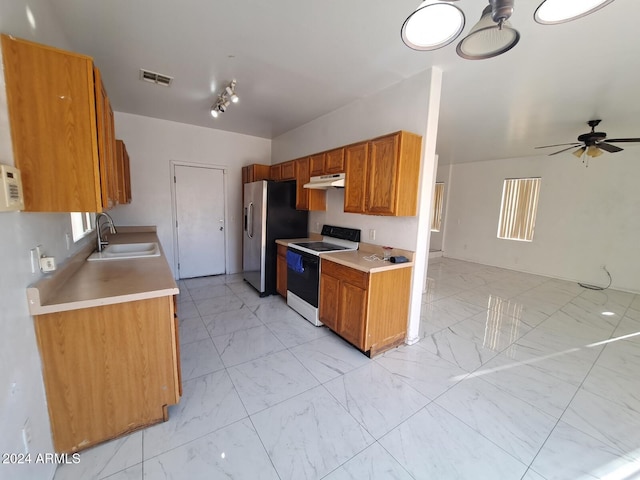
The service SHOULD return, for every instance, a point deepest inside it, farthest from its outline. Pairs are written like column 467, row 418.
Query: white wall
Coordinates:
column 410, row 105
column 21, row 389
column 152, row 144
column 587, row 217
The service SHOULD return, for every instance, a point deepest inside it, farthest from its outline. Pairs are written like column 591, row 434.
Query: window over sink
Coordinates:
column 82, row 223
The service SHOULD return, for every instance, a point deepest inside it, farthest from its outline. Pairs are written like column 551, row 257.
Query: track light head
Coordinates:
column 225, row 99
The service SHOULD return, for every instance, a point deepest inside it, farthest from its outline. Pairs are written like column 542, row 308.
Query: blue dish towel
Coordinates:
column 294, row 261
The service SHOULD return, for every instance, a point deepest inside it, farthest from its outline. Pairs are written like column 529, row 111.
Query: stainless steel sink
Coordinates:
column 123, row 251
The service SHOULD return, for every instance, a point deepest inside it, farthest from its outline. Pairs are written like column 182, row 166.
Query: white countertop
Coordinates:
column 358, row 259
column 84, row 284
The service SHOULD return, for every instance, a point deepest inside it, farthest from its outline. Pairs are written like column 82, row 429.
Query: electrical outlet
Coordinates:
column 372, row 234
column 47, row 264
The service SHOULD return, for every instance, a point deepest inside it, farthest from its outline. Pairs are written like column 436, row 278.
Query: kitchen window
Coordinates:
column 438, row 200
column 82, row 223
column 519, row 207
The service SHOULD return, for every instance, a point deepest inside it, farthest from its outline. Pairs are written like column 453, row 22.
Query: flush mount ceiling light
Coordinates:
column 225, row 99
column 493, row 35
column 432, row 25
column 551, row 12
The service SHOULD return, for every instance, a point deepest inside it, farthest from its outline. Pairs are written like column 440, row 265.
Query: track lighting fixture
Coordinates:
column 436, row 23
column 225, row 99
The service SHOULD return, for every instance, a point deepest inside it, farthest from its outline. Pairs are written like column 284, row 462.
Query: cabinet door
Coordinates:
column 108, row 369
column 123, row 179
column 334, row 161
column 307, row 199
column 355, row 159
column 281, row 271
column 52, row 115
column 317, row 164
column 288, row 170
column 328, row 308
column 382, row 175
column 352, row 316
column 275, row 172
column 302, row 177
column 106, row 145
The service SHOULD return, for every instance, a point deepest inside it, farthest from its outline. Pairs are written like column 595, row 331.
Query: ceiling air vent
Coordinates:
column 154, row 77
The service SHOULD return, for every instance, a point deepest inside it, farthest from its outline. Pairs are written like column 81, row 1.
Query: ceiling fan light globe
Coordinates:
column 578, row 153
column 551, row 12
column 594, row 151
column 432, row 25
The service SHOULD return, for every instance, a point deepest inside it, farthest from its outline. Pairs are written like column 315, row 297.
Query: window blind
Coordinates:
column 519, row 207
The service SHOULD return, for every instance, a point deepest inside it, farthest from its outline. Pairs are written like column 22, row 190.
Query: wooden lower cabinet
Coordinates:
column 108, row 370
column 369, row 310
column 281, row 270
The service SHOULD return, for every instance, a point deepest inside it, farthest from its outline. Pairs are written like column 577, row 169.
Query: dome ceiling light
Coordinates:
column 551, row 12
column 432, row 25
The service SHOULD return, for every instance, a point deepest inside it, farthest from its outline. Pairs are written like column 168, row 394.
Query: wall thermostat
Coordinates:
column 11, row 197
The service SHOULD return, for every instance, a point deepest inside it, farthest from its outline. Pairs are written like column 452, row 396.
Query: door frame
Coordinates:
column 174, row 208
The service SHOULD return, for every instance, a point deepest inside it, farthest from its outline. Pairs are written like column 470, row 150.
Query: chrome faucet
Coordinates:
column 112, row 229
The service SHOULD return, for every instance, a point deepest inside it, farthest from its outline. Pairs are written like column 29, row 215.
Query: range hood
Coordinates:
column 323, row 182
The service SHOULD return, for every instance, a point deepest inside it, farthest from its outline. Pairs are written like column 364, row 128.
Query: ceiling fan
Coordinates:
column 593, row 143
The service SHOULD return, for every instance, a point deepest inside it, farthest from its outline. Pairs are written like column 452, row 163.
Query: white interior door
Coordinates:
column 199, row 193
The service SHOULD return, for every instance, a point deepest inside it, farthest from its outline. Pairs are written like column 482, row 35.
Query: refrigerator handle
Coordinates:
column 245, row 218
column 250, row 226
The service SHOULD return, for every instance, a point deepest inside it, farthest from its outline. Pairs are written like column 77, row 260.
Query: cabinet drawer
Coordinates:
column 282, row 250
column 346, row 274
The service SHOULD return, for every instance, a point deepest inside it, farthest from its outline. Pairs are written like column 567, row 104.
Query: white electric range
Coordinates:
column 303, row 268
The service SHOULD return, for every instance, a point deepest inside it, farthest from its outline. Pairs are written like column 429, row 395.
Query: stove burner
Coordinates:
column 321, row 246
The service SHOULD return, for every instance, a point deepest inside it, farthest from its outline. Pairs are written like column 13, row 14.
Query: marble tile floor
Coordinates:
column 516, row 376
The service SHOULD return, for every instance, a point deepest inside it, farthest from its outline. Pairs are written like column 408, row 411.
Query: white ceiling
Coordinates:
column 297, row 60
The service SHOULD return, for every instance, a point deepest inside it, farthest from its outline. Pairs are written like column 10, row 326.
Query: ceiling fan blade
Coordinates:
column 574, row 144
column 623, row 140
column 565, row 149
column 608, row 148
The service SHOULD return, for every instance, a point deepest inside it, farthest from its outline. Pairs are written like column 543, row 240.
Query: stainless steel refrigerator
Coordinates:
column 269, row 214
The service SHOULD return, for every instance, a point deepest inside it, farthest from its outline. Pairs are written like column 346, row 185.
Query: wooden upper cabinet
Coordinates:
column 275, row 172
column 355, row 163
column 52, row 100
column 334, row 161
column 255, row 172
column 288, row 170
column 317, row 164
column 393, row 173
column 109, row 181
column 307, row 199
column 123, row 173
column 382, row 175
